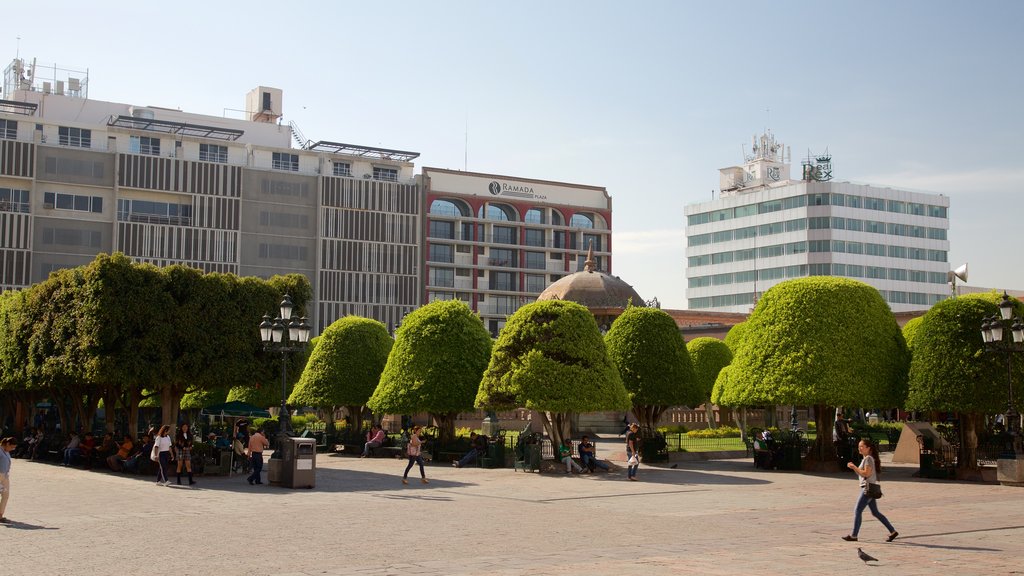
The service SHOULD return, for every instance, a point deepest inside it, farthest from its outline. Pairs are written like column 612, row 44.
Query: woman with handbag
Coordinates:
column 413, row 451
column 632, row 451
column 162, row 450
column 183, row 451
column 868, row 471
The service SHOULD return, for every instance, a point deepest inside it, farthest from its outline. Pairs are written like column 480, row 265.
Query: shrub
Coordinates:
column 677, row 429
column 720, row 432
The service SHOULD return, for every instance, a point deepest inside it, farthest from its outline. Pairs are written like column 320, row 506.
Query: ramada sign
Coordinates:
column 514, row 190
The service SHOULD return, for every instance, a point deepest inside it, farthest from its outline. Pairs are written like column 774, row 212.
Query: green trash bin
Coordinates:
column 495, row 457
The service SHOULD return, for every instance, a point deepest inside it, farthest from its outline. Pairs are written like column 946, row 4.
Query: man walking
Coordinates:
column 257, row 444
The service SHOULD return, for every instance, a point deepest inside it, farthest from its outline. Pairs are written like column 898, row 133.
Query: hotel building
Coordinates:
column 765, row 228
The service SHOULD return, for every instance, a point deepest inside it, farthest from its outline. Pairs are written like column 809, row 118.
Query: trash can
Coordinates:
column 495, row 457
column 298, row 463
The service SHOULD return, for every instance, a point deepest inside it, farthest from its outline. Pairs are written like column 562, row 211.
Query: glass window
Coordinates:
column 874, row 203
column 581, row 221
column 386, row 174
column 535, row 260
column 504, row 235
column 144, row 145
column 443, row 277
column 854, row 271
column 794, row 202
column 698, row 240
column 915, row 209
column 818, row 223
column 770, row 206
column 896, row 206
column 502, row 281
column 694, row 219
column 748, row 210
column 936, row 234
column 854, row 224
column 441, row 229
column 8, row 129
column 853, row 201
column 897, row 251
column 874, row 226
column 535, row 283
column 442, row 253
column 819, row 246
column 795, row 225
column 838, row 199
column 937, row 211
column 897, row 274
column 342, row 169
column 769, row 229
column 817, row 200
column 533, row 237
column 502, row 257
column 937, row 255
column 213, row 153
column 285, row 161
column 534, row 216
column 874, row 249
column 497, row 212
column 744, row 233
column 838, row 223
column 77, row 137
column 592, row 240
column 854, row 248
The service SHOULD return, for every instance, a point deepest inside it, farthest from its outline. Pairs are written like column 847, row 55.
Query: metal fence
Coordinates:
column 680, row 442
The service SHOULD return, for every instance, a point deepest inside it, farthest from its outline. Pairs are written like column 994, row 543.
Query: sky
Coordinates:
column 647, row 99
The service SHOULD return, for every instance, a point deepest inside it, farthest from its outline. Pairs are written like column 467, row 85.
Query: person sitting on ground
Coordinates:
column 116, row 461
column 565, row 455
column 136, row 460
column 374, row 439
column 588, row 455
column 88, row 448
column 72, row 449
column 478, row 447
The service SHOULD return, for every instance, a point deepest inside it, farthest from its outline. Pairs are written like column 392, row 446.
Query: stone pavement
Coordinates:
column 714, row 517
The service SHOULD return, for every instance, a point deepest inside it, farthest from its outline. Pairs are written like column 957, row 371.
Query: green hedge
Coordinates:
column 720, row 432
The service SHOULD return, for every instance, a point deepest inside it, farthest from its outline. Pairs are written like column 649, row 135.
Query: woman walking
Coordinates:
column 6, row 446
column 632, row 451
column 868, row 471
column 183, row 451
column 415, row 457
column 162, row 445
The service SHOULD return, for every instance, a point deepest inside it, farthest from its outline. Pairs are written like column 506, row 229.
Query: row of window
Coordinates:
column 14, row 200
column 747, row 299
column 847, row 200
column 445, row 230
column 78, row 202
column 819, row 223
column 505, row 213
column 827, row 269
column 818, row 246
column 129, row 210
column 535, row 283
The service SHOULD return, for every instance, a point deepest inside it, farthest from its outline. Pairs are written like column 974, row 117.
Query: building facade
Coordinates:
column 79, row 177
column 496, row 242
column 765, row 228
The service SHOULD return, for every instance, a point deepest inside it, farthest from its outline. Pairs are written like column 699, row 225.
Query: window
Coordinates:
column 817, row 200
column 534, row 216
column 466, row 229
column 918, row 276
column 936, row 234
column 874, row 203
column 285, row 161
column 497, row 212
column 794, row 202
column 443, row 277
column 77, row 202
column 581, row 221
column 14, row 200
column 838, row 246
column 795, row 225
column 896, row 206
column 8, row 129
column 502, row 257
column 504, row 235
column 876, row 272
column 853, row 201
column 937, row 255
column 77, row 137
column 770, row 206
column 744, row 233
column 897, row 274
column 915, row 209
column 723, row 236
column 386, row 174
column 341, row 169
column 213, row 153
column 937, row 211
column 695, row 219
column 854, row 248
column 694, row 261
column 768, row 229
column 699, row 282
column 838, row 199
column 153, row 212
column 874, row 226
column 854, row 224
column 874, row 249
column 535, row 283
column 854, row 270
column 592, row 241
column 838, row 223
column 441, row 253
column 819, row 246
column 897, row 251
column 502, row 281
column 819, row 223
column 534, row 237
column 748, row 210
column 144, row 145
column 283, row 252
column 535, row 260
column 441, row 229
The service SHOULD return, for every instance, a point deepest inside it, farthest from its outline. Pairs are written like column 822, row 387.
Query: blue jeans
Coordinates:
column 415, row 460
column 631, row 470
column 590, row 462
column 863, row 502
column 469, row 457
column 256, row 462
column 70, row 454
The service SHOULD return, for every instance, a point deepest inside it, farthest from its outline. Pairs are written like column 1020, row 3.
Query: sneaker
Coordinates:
column 849, row 538
column 892, row 536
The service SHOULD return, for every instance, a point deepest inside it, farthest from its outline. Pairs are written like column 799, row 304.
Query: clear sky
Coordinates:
column 648, row 99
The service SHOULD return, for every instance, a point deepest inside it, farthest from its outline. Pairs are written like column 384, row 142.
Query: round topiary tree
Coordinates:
column 344, row 368
column 647, row 348
column 709, row 356
column 550, row 357
column 950, row 370
column 820, row 341
column 440, row 352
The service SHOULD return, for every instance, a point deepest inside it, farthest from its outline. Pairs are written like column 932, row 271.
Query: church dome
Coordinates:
column 599, row 292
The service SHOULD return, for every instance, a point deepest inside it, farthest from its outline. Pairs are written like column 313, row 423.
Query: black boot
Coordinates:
column 179, row 478
column 190, row 480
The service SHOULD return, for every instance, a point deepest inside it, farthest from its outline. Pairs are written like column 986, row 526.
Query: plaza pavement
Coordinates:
column 714, row 517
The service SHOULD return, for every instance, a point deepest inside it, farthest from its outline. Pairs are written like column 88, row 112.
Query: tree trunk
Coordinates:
column 170, row 404
column 556, row 426
column 445, row 425
column 329, row 421
column 740, row 416
column 967, row 456
column 355, row 418
column 647, row 416
column 110, row 399
column 709, row 409
column 132, row 406
column 823, row 450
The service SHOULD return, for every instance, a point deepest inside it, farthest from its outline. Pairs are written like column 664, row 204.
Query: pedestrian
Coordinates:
column 868, row 471
column 632, row 451
column 162, row 446
column 183, row 451
column 413, row 452
column 257, row 444
column 6, row 446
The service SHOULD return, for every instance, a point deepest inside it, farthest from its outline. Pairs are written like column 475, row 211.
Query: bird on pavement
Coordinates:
column 865, row 556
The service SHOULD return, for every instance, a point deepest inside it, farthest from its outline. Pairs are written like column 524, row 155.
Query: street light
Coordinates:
column 1005, row 334
column 284, row 334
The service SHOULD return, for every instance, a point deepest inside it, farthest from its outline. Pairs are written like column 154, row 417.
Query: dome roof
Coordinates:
column 593, row 289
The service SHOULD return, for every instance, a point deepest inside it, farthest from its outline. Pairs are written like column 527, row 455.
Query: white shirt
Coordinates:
column 163, row 443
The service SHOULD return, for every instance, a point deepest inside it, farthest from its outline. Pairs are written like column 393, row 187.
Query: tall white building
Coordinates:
column 765, row 228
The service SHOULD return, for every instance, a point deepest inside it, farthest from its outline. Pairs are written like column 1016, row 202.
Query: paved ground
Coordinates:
column 718, row 517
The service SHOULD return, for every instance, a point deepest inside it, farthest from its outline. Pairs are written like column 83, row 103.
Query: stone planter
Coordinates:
column 1010, row 471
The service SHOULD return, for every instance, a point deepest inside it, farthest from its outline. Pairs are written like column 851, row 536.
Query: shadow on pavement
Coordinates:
column 336, row 480
column 15, row 525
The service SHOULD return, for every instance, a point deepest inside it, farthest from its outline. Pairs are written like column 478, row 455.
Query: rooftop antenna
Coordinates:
column 17, row 50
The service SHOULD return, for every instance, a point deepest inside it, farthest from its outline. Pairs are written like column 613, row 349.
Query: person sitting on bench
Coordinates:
column 588, row 457
column 374, row 439
column 478, row 443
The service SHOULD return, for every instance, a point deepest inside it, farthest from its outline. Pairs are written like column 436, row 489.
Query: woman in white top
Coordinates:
column 6, row 446
column 415, row 456
column 162, row 445
column 868, row 471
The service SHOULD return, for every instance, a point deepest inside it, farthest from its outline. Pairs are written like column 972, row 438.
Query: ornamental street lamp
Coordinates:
column 1005, row 334
column 284, row 334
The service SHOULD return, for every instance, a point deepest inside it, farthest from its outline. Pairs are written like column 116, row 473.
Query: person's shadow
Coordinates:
column 15, row 525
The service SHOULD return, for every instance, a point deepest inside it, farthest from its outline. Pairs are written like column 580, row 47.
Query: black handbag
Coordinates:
column 873, row 490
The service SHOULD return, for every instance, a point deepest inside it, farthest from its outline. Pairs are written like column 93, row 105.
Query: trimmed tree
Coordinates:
column 550, row 357
column 653, row 362
column 818, row 341
column 344, row 368
column 950, row 370
column 709, row 356
column 440, row 353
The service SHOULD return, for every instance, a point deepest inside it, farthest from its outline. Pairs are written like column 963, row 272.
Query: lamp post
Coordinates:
column 284, row 334
column 1005, row 334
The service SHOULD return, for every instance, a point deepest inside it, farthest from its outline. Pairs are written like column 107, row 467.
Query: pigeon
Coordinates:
column 865, row 556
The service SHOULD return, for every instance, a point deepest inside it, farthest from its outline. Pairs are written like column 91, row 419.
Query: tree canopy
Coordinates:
column 440, row 353
column 653, row 362
column 709, row 356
